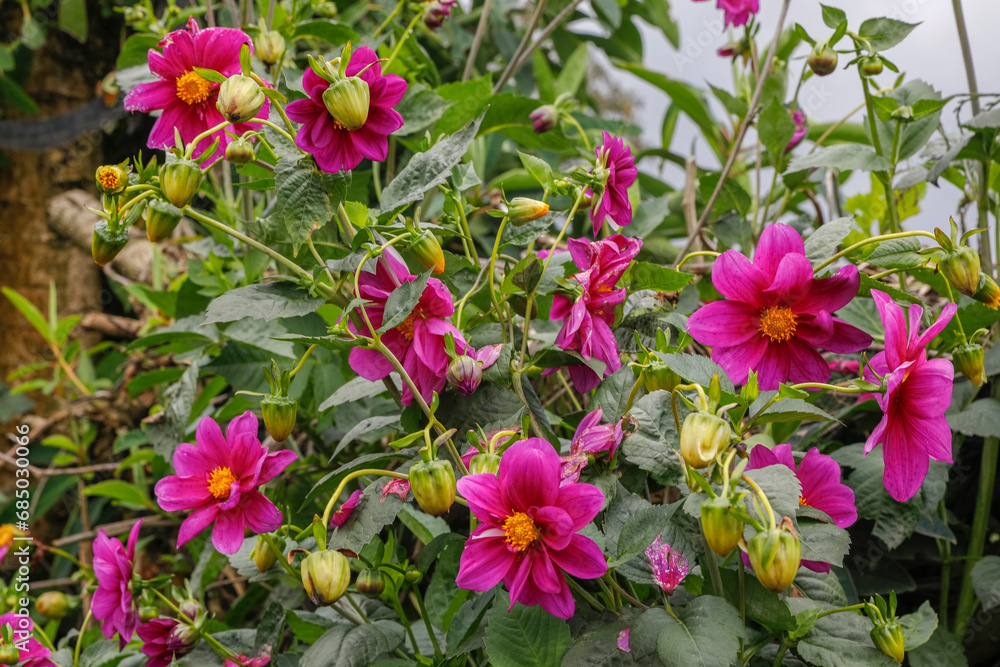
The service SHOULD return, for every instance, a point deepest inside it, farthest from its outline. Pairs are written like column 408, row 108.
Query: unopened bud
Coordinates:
column 775, row 556
column 162, row 219
column 106, row 244
column 9, row 655
column 279, row 415
column 987, row 292
column 544, row 118
column 722, row 530
column 263, row 555
column 269, row 46
column 521, row 210
column 370, row 582
column 871, row 66
column 240, row 152
column 969, row 360
column 190, row 608
column 961, row 268
column 484, row 463
column 433, row 486
column 427, row 249
column 180, row 181
column 657, row 375
column 889, row 638
column 240, row 99
column 437, row 11
column 465, row 374
column 702, row 436
column 53, row 604
column 111, row 179
column 822, row 60
column 325, row 576
column 182, row 640
column 348, row 101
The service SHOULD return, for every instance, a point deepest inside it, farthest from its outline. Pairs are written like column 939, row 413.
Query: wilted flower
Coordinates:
column 622, row 643
column 243, row 661
column 397, row 487
column 219, row 478
column 591, row 437
column 165, row 639
column 344, row 513
column 615, row 172
column 528, row 535
column 465, row 372
column 777, row 313
column 437, row 11
column 669, row 565
column 113, row 603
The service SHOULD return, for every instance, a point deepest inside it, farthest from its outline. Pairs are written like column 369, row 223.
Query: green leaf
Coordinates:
column 119, row 490
column 698, row 369
column 267, row 302
column 705, row 633
column 165, row 437
column 353, row 646
column 822, row 244
column 33, row 315
column 307, row 626
column 73, row 18
column 655, row 446
column 833, row 17
column 210, row 74
column 469, row 99
column 921, row 624
column 981, row 418
column 136, row 50
column 787, row 410
column 302, row 203
column 641, row 530
column 538, row 168
column 645, row 275
column 986, row 580
column 897, row 253
column 830, row 651
column 365, row 426
column 824, row 542
column 525, row 636
column 467, row 629
column 735, row 106
column 942, row 650
column 781, row 486
column 420, row 108
column 883, row 33
column 368, row 518
column 14, row 93
column 402, row 301
column 775, row 127
column 844, row 157
column 762, row 605
column 613, row 392
column 574, row 70
column 329, row 482
column 329, row 31
column 429, row 169
column 865, row 289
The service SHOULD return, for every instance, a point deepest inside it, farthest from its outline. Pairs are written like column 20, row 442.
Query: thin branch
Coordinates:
column 512, row 66
column 477, row 40
column 515, row 67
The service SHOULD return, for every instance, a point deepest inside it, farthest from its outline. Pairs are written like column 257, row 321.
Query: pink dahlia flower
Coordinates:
column 737, row 12
column 165, row 639
column 591, row 437
column 588, row 320
column 918, row 391
column 819, row 477
column 32, row 652
column 113, row 603
column 218, row 478
column 341, row 516
column 777, row 313
column 334, row 146
column 618, row 172
column 801, row 129
column 528, row 535
column 243, row 661
column 186, row 99
column 669, row 565
column 419, row 340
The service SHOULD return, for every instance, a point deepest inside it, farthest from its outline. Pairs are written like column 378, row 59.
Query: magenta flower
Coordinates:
column 113, row 603
column 419, row 340
column 399, row 488
column 528, row 533
column 219, row 478
column 165, row 639
column 845, row 366
column 737, row 12
column 243, row 661
column 777, row 313
column 186, row 99
column 588, row 320
column 334, row 146
column 344, row 513
column 591, row 437
column 616, row 169
column 669, row 565
column 32, row 652
column 918, row 391
column 801, row 129
column 623, row 638
column 543, row 119
column 819, row 477
column 437, row 11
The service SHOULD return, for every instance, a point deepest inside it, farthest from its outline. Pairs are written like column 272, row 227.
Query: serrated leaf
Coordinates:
column 822, row 244
column 844, row 157
column 775, row 127
column 353, row 646
column 981, row 418
column 787, row 410
column 986, row 580
column 613, row 392
column 645, row 275
column 302, row 203
column 368, row 518
column 525, row 636
column 919, row 626
column 655, row 446
column 402, row 301
column 883, row 33
column 698, row 369
column 267, row 302
column 832, row 16
column 830, row 651
column 762, row 605
column 705, row 633
column 897, row 253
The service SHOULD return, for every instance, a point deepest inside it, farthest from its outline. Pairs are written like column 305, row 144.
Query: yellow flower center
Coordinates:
column 803, row 502
column 219, row 481
column 6, row 534
column 777, row 323
column 108, row 177
column 337, row 125
column 520, row 530
column 406, row 327
column 192, row 89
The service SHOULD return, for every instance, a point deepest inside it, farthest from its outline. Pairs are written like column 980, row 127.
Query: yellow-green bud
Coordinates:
column 702, row 436
column 240, row 152
column 433, row 485
column 240, row 99
column 969, row 360
column 111, row 179
column 279, row 415
column 987, row 292
column 9, row 655
column 325, row 576
column 270, row 46
column 521, row 210
column 822, row 60
column 775, row 556
column 370, row 583
column 427, row 249
column 148, row 613
column 162, row 219
column 53, row 604
column 889, row 638
column 961, row 268
column 106, row 244
column 657, row 375
column 263, row 555
column 348, row 101
column 484, row 463
column 871, row 66
column 180, row 181
column 722, row 530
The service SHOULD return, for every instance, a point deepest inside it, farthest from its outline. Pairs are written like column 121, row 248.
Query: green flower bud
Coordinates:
column 969, row 360
column 348, row 101
column 54, row 604
column 657, row 375
column 279, row 415
column 889, row 638
column 325, row 576
column 370, row 583
column 722, row 530
column 162, row 219
column 180, row 181
column 111, row 179
column 775, row 555
column 240, row 99
column 987, row 292
column 106, row 244
column 484, row 463
column 147, row 613
column 521, row 210
column 263, row 555
column 269, row 46
column 413, row 576
column 822, row 60
column 871, row 66
column 240, row 152
column 702, row 436
column 9, row 655
column 961, row 268
column 433, row 485
column 427, row 249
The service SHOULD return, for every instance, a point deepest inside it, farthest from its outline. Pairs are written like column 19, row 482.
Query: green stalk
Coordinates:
column 427, row 622
column 874, row 239
column 713, row 572
column 402, row 40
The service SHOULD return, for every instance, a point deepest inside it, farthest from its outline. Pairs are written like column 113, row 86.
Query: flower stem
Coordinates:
column 692, row 255
column 343, row 483
column 741, row 592
column 427, row 621
column 79, row 639
column 713, row 572
column 281, row 556
column 493, row 263
column 779, row 659
column 763, row 499
column 189, row 151
column 508, row 71
column 276, row 128
column 302, row 361
column 402, row 40
column 578, row 589
column 477, row 40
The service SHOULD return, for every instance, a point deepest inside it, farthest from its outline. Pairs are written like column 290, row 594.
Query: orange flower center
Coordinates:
column 6, row 534
column 108, row 177
column 406, row 327
column 777, row 323
column 219, row 481
column 337, row 125
column 520, row 530
column 192, row 89
column 803, row 502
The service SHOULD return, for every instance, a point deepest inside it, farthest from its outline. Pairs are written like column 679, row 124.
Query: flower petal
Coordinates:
column 726, row 323
column 777, row 241
column 227, row 536
column 485, row 561
column 738, row 279
column 582, row 558
column 198, row 521
column 529, row 475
